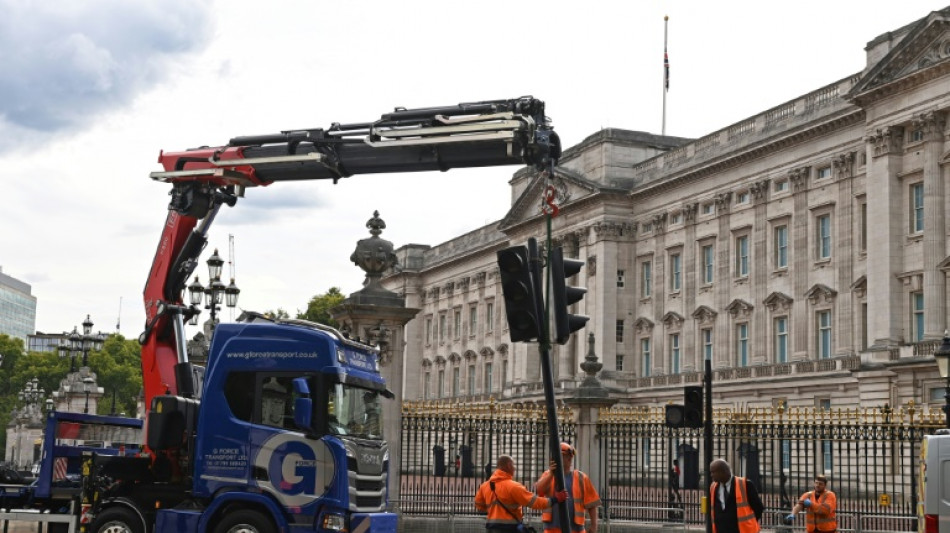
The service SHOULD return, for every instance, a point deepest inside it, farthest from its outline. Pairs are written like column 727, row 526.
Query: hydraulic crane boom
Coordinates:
column 479, row 134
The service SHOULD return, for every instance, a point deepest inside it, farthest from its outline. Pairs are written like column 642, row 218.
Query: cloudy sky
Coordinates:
column 92, row 90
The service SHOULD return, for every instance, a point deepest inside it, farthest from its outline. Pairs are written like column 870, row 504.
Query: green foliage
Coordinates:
column 278, row 314
column 318, row 309
column 119, row 370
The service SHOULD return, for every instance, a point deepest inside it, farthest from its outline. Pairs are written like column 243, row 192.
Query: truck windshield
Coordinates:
column 354, row 411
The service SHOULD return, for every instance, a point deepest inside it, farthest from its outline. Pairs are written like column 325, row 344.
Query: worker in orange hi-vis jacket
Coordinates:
column 582, row 495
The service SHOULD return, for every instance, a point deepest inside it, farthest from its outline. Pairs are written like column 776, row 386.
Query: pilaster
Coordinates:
column 886, row 223
column 692, row 362
column 760, row 271
column 801, row 256
column 932, row 125
column 722, row 356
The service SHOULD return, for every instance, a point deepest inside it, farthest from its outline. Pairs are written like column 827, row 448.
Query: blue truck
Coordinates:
column 282, row 429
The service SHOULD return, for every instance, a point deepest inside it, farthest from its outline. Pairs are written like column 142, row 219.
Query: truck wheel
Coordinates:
column 117, row 520
column 244, row 522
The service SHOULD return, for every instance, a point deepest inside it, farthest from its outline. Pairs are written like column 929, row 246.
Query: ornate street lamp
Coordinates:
column 215, row 293
column 76, row 343
column 942, row 355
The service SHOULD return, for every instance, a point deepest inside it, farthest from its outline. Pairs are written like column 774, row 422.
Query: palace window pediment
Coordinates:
column 739, row 308
column 643, row 325
column 704, row 314
column 778, row 301
column 820, row 293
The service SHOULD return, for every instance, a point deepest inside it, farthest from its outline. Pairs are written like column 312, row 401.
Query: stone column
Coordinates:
column 935, row 226
column 690, row 357
column 761, row 265
column 887, row 226
column 722, row 355
column 845, row 312
column 586, row 402
column 378, row 317
column 802, row 255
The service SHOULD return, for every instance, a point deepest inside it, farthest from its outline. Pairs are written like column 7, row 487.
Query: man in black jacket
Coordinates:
column 733, row 501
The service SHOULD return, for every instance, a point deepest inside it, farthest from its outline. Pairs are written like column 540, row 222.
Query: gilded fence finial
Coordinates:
column 911, row 411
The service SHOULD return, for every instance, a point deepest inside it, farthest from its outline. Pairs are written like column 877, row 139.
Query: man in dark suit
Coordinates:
column 733, row 501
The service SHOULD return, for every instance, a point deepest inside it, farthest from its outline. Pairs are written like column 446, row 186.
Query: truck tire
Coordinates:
column 117, row 520
column 244, row 522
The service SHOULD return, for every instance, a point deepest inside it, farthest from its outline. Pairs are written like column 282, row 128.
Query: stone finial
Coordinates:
column 374, row 255
column 591, row 366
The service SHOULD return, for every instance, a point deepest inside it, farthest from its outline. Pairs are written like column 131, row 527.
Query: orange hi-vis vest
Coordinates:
column 744, row 513
column 820, row 517
column 582, row 491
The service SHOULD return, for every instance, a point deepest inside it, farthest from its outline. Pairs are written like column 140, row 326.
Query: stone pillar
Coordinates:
column 935, row 226
column 689, row 355
column 761, row 266
column 586, row 402
column 845, row 313
column 802, row 255
column 887, row 224
column 378, row 317
column 722, row 355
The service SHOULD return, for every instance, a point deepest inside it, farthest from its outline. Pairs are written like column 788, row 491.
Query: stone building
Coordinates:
column 803, row 249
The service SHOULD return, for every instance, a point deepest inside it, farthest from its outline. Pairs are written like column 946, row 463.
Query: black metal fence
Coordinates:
column 651, row 473
column 449, row 450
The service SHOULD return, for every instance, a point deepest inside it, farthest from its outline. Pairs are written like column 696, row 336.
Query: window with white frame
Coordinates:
column 742, row 197
column 472, row 319
column 709, row 208
column 742, row 344
column 489, row 316
column 426, row 385
column 646, row 279
column 488, row 378
column 620, row 279
column 781, row 339
column 708, row 259
column 917, row 208
column 618, row 365
column 780, row 242
column 781, row 186
column 917, row 315
column 823, row 236
column 457, row 329
column 619, row 331
column 456, row 380
column 824, row 173
column 742, row 256
column 441, row 390
column 674, row 353
column 675, row 271
column 471, row 379
column 676, row 218
column 428, row 330
column 706, row 336
column 823, row 322
column 645, row 363
column 917, row 135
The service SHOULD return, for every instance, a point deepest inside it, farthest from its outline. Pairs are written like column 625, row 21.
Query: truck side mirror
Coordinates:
column 303, row 405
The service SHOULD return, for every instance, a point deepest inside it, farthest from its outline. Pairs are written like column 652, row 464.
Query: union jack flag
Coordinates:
column 666, row 70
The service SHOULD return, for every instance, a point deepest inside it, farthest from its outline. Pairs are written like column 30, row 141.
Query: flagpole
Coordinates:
column 666, row 72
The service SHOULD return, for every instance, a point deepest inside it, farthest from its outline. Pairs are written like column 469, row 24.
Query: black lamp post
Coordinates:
column 215, row 293
column 77, row 343
column 942, row 355
column 87, row 385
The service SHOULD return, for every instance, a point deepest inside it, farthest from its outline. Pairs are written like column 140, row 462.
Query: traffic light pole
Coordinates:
column 547, row 374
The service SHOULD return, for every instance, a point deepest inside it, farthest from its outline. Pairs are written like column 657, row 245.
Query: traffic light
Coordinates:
column 521, row 294
column 674, row 416
column 565, row 296
column 693, row 407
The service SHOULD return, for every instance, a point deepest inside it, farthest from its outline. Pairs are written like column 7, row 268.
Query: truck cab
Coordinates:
column 934, row 490
column 291, row 429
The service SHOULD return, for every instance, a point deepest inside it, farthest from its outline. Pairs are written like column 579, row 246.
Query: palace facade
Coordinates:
column 803, row 250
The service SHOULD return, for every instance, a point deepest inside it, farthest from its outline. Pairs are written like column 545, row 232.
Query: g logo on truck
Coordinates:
column 298, row 469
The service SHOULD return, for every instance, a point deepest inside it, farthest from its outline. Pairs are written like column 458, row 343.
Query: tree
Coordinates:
column 318, row 309
column 118, row 368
